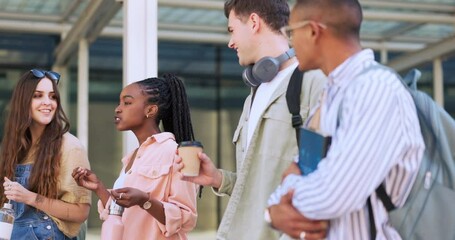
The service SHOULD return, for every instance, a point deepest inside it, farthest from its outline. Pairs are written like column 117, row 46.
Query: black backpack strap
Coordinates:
column 372, row 222
column 293, row 99
column 386, row 201
column 382, row 194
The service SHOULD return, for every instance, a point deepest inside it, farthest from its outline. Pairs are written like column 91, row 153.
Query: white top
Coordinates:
column 377, row 139
column 262, row 97
column 119, row 183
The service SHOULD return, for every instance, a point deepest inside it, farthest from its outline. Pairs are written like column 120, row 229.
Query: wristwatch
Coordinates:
column 147, row 205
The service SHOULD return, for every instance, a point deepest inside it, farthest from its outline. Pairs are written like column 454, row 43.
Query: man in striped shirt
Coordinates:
column 372, row 120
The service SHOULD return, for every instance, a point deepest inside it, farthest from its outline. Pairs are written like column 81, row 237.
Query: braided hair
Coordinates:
column 168, row 93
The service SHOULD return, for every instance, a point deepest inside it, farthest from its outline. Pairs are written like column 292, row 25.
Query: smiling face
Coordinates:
column 44, row 103
column 131, row 112
column 241, row 38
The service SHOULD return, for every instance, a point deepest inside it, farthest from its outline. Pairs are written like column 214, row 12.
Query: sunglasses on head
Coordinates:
column 54, row 76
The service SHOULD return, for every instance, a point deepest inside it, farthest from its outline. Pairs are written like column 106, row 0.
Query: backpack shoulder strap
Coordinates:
column 293, row 99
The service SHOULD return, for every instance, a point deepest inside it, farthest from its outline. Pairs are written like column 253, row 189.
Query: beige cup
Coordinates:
column 188, row 151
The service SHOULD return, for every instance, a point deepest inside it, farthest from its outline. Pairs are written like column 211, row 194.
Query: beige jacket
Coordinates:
column 259, row 168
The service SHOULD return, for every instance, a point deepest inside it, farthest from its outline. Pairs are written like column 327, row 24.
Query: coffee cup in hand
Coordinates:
column 188, row 151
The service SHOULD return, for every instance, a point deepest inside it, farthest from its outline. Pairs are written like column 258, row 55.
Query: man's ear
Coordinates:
column 316, row 29
column 255, row 22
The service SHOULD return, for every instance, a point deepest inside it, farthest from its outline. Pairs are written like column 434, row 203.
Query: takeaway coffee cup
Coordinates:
column 188, row 151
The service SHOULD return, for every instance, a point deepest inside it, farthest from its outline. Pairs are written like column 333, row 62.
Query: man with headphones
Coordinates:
column 265, row 138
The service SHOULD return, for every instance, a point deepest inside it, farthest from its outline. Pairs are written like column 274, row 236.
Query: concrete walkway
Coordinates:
column 94, row 234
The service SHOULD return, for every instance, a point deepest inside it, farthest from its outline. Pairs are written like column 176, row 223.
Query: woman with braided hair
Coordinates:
column 158, row 205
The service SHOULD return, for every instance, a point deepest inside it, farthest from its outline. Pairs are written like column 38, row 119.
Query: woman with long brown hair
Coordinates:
column 37, row 157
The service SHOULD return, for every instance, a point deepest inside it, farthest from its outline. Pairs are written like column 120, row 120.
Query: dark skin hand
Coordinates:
column 289, row 220
column 292, row 169
column 129, row 196
column 286, row 218
column 88, row 179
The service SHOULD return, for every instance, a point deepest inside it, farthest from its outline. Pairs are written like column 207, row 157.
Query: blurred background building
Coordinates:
column 101, row 45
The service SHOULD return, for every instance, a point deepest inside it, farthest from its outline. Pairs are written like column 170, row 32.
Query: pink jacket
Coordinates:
column 153, row 172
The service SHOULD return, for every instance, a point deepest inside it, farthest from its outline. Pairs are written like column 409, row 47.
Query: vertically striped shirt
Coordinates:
column 375, row 138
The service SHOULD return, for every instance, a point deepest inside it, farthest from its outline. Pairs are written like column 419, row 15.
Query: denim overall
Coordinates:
column 30, row 223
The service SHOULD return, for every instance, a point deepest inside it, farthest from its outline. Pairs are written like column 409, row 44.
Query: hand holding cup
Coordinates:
column 189, row 151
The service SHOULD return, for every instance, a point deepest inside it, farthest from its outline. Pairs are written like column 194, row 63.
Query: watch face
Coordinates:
column 147, row 205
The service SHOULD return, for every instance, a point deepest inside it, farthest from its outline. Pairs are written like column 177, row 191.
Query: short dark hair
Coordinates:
column 344, row 16
column 275, row 13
